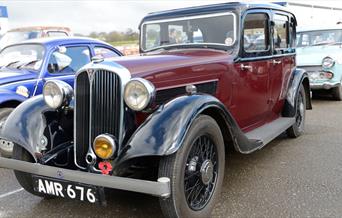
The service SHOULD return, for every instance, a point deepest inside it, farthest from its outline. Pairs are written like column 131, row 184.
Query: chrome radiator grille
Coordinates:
column 98, row 109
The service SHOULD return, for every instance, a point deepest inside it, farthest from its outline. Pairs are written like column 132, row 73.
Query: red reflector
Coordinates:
column 328, row 75
column 105, row 168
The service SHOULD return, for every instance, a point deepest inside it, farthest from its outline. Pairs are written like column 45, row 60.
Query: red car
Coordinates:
column 209, row 78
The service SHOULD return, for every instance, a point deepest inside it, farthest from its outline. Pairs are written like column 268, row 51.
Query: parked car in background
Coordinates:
column 25, row 33
column 27, row 66
column 160, row 123
column 319, row 52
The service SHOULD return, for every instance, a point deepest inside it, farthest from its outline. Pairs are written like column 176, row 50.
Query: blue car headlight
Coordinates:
column 57, row 93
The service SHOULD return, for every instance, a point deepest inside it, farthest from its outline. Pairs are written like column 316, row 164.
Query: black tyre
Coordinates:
column 196, row 171
column 6, row 148
column 337, row 93
column 298, row 127
column 25, row 179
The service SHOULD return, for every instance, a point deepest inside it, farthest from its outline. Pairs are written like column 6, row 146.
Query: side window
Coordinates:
column 255, row 35
column 105, row 52
column 280, row 33
column 56, row 34
column 68, row 59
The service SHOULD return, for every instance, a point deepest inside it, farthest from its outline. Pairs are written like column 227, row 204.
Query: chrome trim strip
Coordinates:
column 161, row 188
column 186, row 84
column 188, row 18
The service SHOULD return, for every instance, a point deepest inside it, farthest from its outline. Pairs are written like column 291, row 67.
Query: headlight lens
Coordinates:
column 104, row 146
column 139, row 94
column 328, row 62
column 57, row 93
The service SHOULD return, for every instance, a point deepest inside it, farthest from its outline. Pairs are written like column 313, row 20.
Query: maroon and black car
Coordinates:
column 209, row 78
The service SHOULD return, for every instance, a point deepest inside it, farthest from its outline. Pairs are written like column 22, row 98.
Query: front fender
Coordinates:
column 26, row 124
column 163, row 132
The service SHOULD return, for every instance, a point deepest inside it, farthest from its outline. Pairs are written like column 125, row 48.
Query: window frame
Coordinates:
column 67, row 46
column 280, row 51
column 118, row 54
column 56, row 31
column 261, row 53
column 142, row 40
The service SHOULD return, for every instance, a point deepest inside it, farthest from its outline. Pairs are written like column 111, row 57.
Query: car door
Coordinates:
column 251, row 92
column 283, row 60
column 64, row 62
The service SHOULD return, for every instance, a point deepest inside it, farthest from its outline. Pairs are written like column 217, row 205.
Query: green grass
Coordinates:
column 121, row 43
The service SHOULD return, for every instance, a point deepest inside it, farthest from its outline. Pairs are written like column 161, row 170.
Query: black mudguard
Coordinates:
column 299, row 76
column 163, row 132
column 32, row 120
column 26, row 124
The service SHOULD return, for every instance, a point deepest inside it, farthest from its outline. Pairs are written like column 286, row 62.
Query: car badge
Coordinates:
column 23, row 91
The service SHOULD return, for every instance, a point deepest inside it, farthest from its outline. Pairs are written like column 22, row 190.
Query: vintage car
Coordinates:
column 319, row 53
column 160, row 123
column 27, row 66
column 17, row 35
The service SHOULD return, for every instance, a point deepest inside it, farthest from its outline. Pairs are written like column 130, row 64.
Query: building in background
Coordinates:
column 310, row 13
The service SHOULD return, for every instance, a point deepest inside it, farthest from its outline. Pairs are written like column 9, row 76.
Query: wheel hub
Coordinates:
column 207, row 172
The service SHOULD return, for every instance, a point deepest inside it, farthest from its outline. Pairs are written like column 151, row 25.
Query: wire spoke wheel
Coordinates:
column 200, row 173
column 196, row 171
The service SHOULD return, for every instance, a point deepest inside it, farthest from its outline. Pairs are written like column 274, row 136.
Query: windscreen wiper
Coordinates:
column 28, row 63
column 11, row 63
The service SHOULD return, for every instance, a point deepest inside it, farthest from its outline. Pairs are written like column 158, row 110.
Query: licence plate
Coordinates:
column 65, row 189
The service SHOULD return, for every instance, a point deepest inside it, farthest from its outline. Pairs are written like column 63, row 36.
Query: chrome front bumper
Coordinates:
column 161, row 188
column 324, row 85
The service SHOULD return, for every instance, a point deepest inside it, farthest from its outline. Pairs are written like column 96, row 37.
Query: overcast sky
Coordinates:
column 87, row 16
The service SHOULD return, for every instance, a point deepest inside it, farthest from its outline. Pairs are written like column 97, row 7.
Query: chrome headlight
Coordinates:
column 328, row 62
column 57, row 93
column 139, row 94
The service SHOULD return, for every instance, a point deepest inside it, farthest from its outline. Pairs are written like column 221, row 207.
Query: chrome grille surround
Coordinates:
column 124, row 77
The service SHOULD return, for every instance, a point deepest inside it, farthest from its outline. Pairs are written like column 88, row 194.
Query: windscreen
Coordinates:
column 216, row 29
column 321, row 37
column 26, row 56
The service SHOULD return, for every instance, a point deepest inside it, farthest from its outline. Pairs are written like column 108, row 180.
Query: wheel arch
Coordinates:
column 10, row 104
column 299, row 77
column 218, row 115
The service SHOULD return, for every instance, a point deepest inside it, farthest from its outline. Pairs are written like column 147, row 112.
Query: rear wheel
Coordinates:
column 25, row 179
column 6, row 147
column 297, row 128
column 196, row 171
column 337, row 93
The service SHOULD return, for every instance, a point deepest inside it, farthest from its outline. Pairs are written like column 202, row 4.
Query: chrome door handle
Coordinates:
column 246, row 67
column 275, row 62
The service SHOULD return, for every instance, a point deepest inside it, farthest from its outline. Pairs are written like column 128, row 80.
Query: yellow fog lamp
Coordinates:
column 104, row 146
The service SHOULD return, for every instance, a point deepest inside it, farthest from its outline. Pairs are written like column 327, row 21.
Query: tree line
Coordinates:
column 115, row 36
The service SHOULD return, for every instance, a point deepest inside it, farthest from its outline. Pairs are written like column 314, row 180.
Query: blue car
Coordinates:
column 25, row 68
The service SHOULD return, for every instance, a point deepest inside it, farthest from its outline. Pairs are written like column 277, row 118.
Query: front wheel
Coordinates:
column 196, row 171
column 337, row 93
column 297, row 128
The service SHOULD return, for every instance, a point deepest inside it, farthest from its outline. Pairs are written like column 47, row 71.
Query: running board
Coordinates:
column 270, row 131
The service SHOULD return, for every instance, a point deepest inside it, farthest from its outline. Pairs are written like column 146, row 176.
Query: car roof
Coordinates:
column 32, row 28
column 197, row 10
column 317, row 28
column 55, row 41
